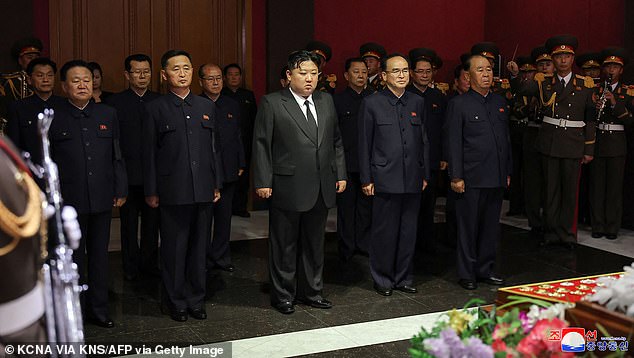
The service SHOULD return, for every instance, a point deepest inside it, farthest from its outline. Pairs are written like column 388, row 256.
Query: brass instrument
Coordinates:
column 603, row 100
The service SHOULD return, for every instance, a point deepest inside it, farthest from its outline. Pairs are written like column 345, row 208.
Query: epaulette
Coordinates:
column 588, row 82
column 442, row 87
column 504, row 83
column 539, row 77
column 630, row 90
column 332, row 80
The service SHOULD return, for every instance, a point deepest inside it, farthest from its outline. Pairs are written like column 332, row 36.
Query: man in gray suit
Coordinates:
column 299, row 164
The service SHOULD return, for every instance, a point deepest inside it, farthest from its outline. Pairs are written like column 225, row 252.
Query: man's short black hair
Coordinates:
column 40, row 61
column 295, row 59
column 457, row 71
column 390, row 56
column 73, row 63
column 352, row 60
column 201, row 69
column 231, row 65
column 467, row 63
column 173, row 53
column 138, row 57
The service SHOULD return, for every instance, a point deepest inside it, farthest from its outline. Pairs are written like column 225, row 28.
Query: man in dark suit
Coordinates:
column 182, row 177
column 22, row 124
column 393, row 157
column 233, row 163
column 422, row 61
column 130, row 106
column 85, row 145
column 479, row 168
column 232, row 88
column 299, row 164
column 354, row 210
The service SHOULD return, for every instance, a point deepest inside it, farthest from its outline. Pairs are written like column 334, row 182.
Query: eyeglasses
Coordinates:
column 140, row 72
column 212, row 79
column 396, row 71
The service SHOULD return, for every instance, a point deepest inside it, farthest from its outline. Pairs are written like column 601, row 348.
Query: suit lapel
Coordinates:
column 289, row 103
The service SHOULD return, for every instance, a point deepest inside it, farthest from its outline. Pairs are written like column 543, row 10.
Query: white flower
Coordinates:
column 557, row 310
column 616, row 294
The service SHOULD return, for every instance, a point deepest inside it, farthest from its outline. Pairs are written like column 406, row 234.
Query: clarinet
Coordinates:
column 61, row 278
column 603, row 100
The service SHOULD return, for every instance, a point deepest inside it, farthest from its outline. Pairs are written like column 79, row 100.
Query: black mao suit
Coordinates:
column 354, row 209
column 85, row 146
column 181, row 166
column 232, row 152
column 479, row 153
column 136, row 255
column 393, row 153
column 302, row 165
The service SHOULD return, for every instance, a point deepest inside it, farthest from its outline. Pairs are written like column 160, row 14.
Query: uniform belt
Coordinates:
column 22, row 312
column 611, row 127
column 564, row 122
column 533, row 124
column 519, row 121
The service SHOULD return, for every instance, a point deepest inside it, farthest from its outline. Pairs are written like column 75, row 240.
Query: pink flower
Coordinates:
column 536, row 342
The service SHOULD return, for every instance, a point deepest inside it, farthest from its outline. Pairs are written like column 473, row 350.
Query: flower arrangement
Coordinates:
column 474, row 332
column 616, row 295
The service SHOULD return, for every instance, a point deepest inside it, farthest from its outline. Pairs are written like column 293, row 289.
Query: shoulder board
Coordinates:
column 588, row 82
column 505, row 83
column 630, row 90
column 332, row 77
column 539, row 77
column 442, row 87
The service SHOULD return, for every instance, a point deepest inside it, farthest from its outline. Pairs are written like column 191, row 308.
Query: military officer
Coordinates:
column 137, row 255
column 394, row 169
column 443, row 87
column 85, row 145
column 590, row 64
column 608, row 167
column 233, row 89
column 566, row 138
column 326, row 83
column 479, row 156
column 422, row 61
column 233, row 164
column 372, row 53
column 354, row 210
column 14, row 86
column 22, row 124
column 182, row 176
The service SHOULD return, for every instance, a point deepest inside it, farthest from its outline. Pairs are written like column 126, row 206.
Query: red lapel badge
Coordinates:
column 205, row 117
column 229, row 115
column 103, row 127
column 413, row 114
column 501, row 110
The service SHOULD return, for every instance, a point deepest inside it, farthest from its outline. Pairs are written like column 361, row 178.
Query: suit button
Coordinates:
column 194, row 162
column 190, row 132
column 187, row 117
column 89, row 158
column 87, row 144
column 89, row 173
column 84, row 129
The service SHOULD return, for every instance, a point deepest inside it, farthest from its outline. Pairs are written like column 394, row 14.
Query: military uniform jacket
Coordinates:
column 130, row 112
column 479, row 143
column 393, row 147
column 180, row 161
column 435, row 106
column 289, row 160
column 22, row 125
column 377, row 84
column 614, row 143
column 348, row 103
column 230, row 138
column 572, row 103
column 327, row 83
column 85, row 146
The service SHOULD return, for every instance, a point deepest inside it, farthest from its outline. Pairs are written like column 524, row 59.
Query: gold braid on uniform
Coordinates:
column 539, row 77
column 27, row 225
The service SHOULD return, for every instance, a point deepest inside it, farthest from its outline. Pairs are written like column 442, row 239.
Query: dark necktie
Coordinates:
column 312, row 125
column 563, row 83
